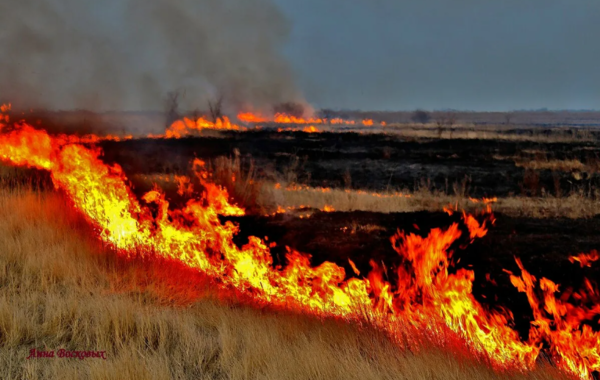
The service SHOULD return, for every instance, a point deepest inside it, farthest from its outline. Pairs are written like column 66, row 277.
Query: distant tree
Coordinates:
column 508, row 118
column 420, row 116
column 445, row 120
column 215, row 107
column 326, row 113
column 290, row 108
column 172, row 107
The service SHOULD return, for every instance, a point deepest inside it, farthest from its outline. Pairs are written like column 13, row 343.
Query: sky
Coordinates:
column 480, row 55
column 477, row 55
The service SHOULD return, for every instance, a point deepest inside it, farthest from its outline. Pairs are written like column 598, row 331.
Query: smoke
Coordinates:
column 129, row 54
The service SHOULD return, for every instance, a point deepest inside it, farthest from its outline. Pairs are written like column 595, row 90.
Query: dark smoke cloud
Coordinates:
column 128, row 54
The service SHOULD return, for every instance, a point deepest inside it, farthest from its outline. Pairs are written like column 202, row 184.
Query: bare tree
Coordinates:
column 215, row 108
column 445, row 120
column 508, row 118
column 172, row 107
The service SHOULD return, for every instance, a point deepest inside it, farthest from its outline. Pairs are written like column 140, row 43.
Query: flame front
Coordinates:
column 421, row 294
column 283, row 118
column 187, row 126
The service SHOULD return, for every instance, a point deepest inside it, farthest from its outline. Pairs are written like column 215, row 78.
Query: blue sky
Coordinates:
column 437, row 54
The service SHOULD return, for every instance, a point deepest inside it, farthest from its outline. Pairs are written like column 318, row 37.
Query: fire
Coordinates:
column 249, row 117
column 282, row 118
column 585, row 259
column 311, row 129
column 423, row 292
column 187, row 126
column 574, row 346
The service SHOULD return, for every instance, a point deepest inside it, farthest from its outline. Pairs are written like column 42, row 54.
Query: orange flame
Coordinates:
column 187, row 127
column 586, row 259
column 249, row 117
column 282, row 118
column 311, row 129
column 422, row 292
column 328, row 208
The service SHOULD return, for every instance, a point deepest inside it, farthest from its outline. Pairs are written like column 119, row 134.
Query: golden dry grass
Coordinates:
column 60, row 289
column 555, row 165
column 539, row 160
column 492, row 132
column 264, row 197
column 575, row 205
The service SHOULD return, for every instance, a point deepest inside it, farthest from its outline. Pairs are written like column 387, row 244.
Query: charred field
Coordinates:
column 379, row 163
column 476, row 244
column 525, row 176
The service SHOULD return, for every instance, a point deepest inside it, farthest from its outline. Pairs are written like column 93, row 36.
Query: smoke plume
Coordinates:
column 129, row 54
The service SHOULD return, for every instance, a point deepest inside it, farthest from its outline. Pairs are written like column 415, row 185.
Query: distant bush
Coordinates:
column 420, row 116
column 290, row 108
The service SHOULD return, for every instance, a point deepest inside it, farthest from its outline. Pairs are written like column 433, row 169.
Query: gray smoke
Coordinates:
column 128, row 54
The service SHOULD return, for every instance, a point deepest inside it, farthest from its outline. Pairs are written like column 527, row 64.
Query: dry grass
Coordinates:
column 60, row 289
column 493, row 132
column 555, row 165
column 243, row 184
column 539, row 160
column 574, row 205
column 261, row 195
column 265, row 196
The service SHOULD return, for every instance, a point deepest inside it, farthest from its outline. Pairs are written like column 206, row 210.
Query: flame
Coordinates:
column 328, row 208
column 574, row 346
column 249, row 117
column 484, row 200
column 422, row 292
column 367, row 122
column 283, row 118
column 187, row 126
column 311, row 129
column 354, row 268
column 585, row 259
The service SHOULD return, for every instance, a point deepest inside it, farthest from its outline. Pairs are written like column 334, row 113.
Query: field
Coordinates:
column 61, row 289
column 337, row 195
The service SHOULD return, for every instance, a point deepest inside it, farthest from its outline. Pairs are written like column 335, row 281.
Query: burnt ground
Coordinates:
column 378, row 162
column 373, row 162
column 544, row 246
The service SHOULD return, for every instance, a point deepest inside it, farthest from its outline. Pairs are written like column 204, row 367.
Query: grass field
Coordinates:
column 59, row 289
